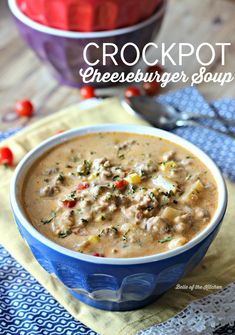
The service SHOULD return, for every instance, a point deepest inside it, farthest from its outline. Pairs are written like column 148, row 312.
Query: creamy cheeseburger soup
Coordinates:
column 119, row 195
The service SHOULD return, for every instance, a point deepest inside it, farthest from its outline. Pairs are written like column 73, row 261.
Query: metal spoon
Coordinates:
column 167, row 117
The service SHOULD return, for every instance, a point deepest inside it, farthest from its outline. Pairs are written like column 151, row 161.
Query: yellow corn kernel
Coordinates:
column 92, row 177
column 166, row 166
column 133, row 178
column 93, row 239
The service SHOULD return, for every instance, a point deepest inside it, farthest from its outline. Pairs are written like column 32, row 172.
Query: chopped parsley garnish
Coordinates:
column 87, row 165
column 85, row 168
column 116, row 177
column 71, row 196
column 167, row 239
column 49, row 219
column 64, row 233
column 114, row 230
column 152, row 196
column 169, row 194
column 132, row 189
column 60, row 178
column 121, row 156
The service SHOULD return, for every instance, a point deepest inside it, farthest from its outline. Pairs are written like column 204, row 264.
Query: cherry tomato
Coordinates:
column 97, row 254
column 87, row 92
column 119, row 184
column 82, row 186
column 155, row 68
column 6, row 156
column 24, row 108
column 69, row 203
column 132, row 92
column 151, row 88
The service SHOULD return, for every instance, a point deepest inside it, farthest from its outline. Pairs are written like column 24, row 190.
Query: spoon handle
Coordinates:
column 195, row 116
column 186, row 123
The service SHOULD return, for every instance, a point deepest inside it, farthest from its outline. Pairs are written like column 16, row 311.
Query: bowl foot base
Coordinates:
column 114, row 306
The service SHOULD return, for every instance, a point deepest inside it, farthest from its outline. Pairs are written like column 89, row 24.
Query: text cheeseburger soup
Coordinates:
column 119, row 195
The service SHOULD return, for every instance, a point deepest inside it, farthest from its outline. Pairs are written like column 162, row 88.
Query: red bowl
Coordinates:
column 88, row 15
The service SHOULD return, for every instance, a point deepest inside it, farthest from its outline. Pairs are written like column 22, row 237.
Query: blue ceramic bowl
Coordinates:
column 115, row 283
column 62, row 51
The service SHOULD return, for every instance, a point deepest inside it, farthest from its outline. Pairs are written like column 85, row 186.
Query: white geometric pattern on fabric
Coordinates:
column 26, row 308
column 202, row 316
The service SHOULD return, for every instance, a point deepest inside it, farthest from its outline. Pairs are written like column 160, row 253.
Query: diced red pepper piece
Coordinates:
column 119, row 184
column 69, row 203
column 82, row 186
column 97, row 254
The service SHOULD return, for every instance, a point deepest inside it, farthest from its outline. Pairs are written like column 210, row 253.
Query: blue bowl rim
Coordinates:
column 33, row 155
column 83, row 35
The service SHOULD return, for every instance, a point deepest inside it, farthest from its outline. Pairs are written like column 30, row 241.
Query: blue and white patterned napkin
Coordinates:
column 219, row 147
column 26, row 308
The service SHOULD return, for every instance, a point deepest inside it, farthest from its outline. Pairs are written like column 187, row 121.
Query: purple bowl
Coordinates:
column 62, row 51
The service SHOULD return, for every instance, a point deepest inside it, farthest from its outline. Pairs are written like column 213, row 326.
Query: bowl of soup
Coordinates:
column 118, row 213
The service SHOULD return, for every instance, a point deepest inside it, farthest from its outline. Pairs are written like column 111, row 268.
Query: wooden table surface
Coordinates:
column 23, row 76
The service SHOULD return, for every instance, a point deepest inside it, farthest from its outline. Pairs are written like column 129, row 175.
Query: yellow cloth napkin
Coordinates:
column 217, row 268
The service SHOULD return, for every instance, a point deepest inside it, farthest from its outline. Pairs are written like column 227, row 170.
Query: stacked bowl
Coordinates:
column 59, row 30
